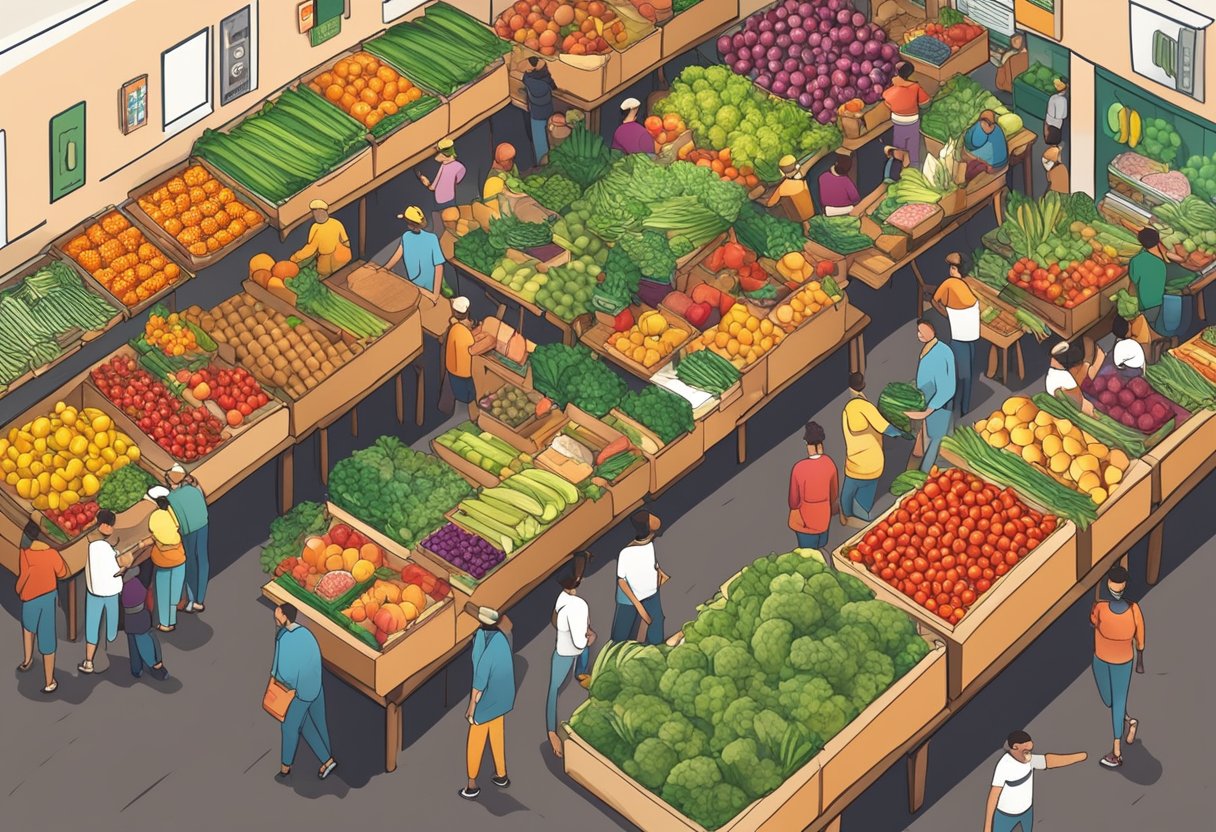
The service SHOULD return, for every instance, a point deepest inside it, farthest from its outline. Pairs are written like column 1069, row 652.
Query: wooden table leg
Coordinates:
column 1152, row 568
column 354, row 421
column 73, row 619
column 399, row 393
column 287, row 479
column 420, row 395
column 392, row 735
column 1200, row 308
column 1027, row 175
column 363, row 227
column 918, row 769
column 323, row 440
column 1021, row 362
column 993, row 356
column 998, row 209
column 741, row 442
column 861, row 353
column 834, row 826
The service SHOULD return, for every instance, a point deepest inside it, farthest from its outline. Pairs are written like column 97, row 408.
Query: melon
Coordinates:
column 260, row 261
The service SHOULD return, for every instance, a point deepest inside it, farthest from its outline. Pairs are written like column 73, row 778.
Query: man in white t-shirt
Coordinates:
column 1128, row 354
column 104, row 584
column 638, row 578
column 572, row 619
column 1011, row 799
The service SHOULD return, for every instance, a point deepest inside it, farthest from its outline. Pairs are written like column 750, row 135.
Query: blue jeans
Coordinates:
column 144, row 650
column 540, row 137
column 168, row 592
column 1002, row 822
column 964, row 364
column 198, row 564
column 307, row 719
column 94, row 606
column 626, row 621
column 559, row 671
column 811, row 541
column 38, row 617
column 1114, row 681
column 937, row 425
column 860, row 494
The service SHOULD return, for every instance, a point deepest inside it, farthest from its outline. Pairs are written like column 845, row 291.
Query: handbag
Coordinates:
column 277, row 700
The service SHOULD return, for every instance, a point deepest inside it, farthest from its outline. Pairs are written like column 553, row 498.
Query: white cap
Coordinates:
column 488, row 616
column 177, row 469
column 460, row 304
column 157, row 491
column 630, row 104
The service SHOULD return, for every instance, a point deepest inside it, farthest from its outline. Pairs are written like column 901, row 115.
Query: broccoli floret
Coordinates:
column 606, row 684
column 680, row 687
column 595, row 722
column 786, row 583
column 827, row 658
column 710, row 645
column 799, row 609
column 651, row 763
column 891, row 627
column 875, row 672
column 685, row 738
column 715, row 623
column 641, row 715
column 695, row 788
column 681, row 245
column 771, row 644
column 907, row 658
column 639, row 677
column 735, row 661
column 825, row 589
column 747, row 615
column 713, row 695
column 801, row 696
column 687, row 657
column 737, row 721
column 718, row 75
column 744, row 767
column 728, row 117
column 718, row 136
column 770, row 728
column 691, row 73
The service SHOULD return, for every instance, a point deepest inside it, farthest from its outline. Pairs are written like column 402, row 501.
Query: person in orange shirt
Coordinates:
column 906, row 97
column 814, row 494
column 792, row 192
column 39, row 572
column 958, row 303
column 458, row 355
column 1118, row 639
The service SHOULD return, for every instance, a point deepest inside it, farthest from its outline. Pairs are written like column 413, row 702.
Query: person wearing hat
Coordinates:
column 959, row 304
column 538, row 87
column 1067, row 369
column 491, row 699
column 503, row 166
column 103, row 584
column 458, row 355
column 906, row 98
column 793, row 193
column 1147, row 273
column 639, row 610
column 1057, row 174
column 451, row 173
column 419, row 254
column 168, row 556
column 40, row 569
column 632, row 136
column 837, row 192
column 1057, row 111
column 985, row 141
column 189, row 503
column 328, row 241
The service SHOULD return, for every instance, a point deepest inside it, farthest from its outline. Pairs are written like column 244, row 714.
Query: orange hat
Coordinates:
column 505, row 152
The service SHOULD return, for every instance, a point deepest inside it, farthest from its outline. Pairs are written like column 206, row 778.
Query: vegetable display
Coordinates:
column 518, row 509
column 1039, row 77
column 666, row 130
column 764, row 678
column 199, row 211
column 741, row 345
column 553, row 191
column 1181, row 383
column 371, row 92
column 928, row 49
column 288, row 531
column 1067, row 286
column 1198, row 356
column 572, row 374
column 708, row 371
column 389, row 607
column 571, row 233
column 612, row 467
column 319, row 301
column 1161, row 141
column 284, row 147
column 956, row 107
column 508, row 231
column 464, row 550
column 1131, row 402
column 649, row 340
column 236, row 391
column 807, row 302
column 566, row 290
column 945, row 545
column 121, row 259
column 1106, row 430
column 1188, row 227
column 125, row 487
column 898, row 399
column 819, row 53
column 583, row 157
column 524, row 279
column 906, row 217
column 840, row 234
column 768, row 236
column 566, row 27
column 1200, row 171
column 443, row 50
column 75, row 519
column 513, row 406
column 668, row 415
column 476, row 251
column 485, row 450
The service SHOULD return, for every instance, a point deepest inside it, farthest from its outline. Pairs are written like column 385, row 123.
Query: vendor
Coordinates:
column 837, row 191
column 896, row 161
column 1057, row 111
column 1012, row 62
column 958, row 303
column 986, row 143
column 632, row 136
column 793, row 192
column 1057, row 174
column 328, row 241
column 420, row 254
column 937, row 381
column 1068, row 370
column 458, row 352
column 906, row 97
column 1147, row 273
column 1128, row 353
column 503, row 166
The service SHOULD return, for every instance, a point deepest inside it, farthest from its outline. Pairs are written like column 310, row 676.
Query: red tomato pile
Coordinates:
column 187, row 433
column 1066, row 286
column 236, row 391
column 954, row 36
column 947, row 542
column 75, row 518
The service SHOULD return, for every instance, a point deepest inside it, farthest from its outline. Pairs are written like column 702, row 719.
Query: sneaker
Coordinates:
column 1111, row 761
column 160, row 674
column 502, row 782
column 85, row 667
column 469, row 794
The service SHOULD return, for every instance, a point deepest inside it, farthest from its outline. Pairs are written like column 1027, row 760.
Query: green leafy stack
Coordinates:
column 124, row 488
column 768, row 236
column 475, row 249
column 318, row 300
column 287, row 533
column 896, row 399
column 668, row 415
column 708, row 371
column 583, row 157
column 553, row 191
column 1200, row 171
column 840, row 234
column 956, row 107
column 573, row 375
column 1039, row 77
column 443, row 50
column 509, row 231
column 572, row 233
column 1190, row 224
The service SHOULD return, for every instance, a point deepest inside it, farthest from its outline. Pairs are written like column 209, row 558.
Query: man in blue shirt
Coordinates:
column 937, row 380
column 297, row 666
column 190, row 505
column 539, row 86
column 986, row 143
column 492, row 699
column 419, row 254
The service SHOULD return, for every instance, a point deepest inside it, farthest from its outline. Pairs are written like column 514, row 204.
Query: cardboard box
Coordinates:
column 817, row 335
column 894, row 246
column 1128, row 506
column 530, row 436
column 485, row 93
column 672, row 461
column 926, row 226
column 684, row 31
column 1181, row 453
column 855, row 125
column 1069, row 322
column 601, row 335
column 629, row 488
column 967, row 59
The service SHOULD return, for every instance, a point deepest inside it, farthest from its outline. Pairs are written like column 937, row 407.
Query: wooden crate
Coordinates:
column 856, row 125
column 685, row 30
column 673, row 460
column 487, row 92
column 1128, row 506
column 630, row 487
column 1070, row 322
column 967, row 59
column 817, row 335
column 600, row 334
column 1181, row 453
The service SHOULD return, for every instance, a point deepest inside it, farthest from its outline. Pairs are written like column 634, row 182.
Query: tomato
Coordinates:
column 967, row 597
column 920, row 597
column 916, row 578
column 974, row 572
column 1011, row 558
column 983, row 585
column 932, row 489
column 1001, row 569
column 989, row 573
column 888, row 544
column 958, row 547
column 949, row 561
column 930, row 604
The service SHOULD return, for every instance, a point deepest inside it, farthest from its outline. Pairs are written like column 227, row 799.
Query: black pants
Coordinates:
column 1052, row 135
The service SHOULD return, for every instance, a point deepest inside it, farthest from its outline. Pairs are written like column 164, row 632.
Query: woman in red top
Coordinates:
column 1118, row 635
column 40, row 570
column 814, row 485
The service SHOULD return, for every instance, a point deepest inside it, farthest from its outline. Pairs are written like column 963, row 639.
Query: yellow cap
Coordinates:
column 446, row 147
column 413, row 213
column 786, row 161
column 318, row 205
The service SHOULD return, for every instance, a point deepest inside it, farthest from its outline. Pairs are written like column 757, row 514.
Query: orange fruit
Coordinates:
column 333, row 92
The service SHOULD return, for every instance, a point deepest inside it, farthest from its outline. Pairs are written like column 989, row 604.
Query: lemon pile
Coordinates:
column 56, row 461
column 740, row 337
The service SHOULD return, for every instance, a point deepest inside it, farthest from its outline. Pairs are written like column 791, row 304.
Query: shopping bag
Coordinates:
column 277, row 700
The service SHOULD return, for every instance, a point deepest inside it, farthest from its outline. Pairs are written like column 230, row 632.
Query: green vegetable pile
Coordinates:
column 708, row 371
column 662, row 411
column 955, row 108
column 651, row 253
column 572, row 374
column 1108, row 431
column 476, row 251
column 765, row 677
column 400, row 491
column 896, row 399
column 583, row 157
column 908, row 481
column 1161, row 141
column 1040, row 77
column 413, row 111
column 620, row 282
column 768, row 236
column 443, row 50
column 726, row 110
column 318, row 300
column 1191, row 224
column 1200, row 171
column 287, row 533
column 567, row 289
column 1178, row 381
column 509, row 231
column 571, row 233
column 124, row 488
column 840, row 234
column 553, row 191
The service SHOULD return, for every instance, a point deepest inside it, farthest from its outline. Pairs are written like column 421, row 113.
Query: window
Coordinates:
column 3, row 194
column 393, row 9
column 186, row 82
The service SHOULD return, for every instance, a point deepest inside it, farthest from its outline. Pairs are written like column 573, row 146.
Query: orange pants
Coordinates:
column 495, row 732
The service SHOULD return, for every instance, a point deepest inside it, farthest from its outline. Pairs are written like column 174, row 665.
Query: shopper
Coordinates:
column 492, row 698
column 419, row 254
column 572, row 620
column 538, row 87
column 937, row 378
column 450, row 174
column 1057, row 111
column 458, row 356
column 814, row 486
column 985, row 141
column 864, row 428
column 1127, row 354
column 297, row 666
column 906, row 97
column 793, row 193
column 328, row 241
column 1012, row 63
column 896, row 161
column 1057, row 173
column 837, row 192
column 1011, row 798
column 958, row 303
column 632, row 136
column 168, row 556
column 1147, row 273
column 638, row 580
column 103, row 585
column 40, row 568
column 1118, row 638
column 1067, row 369
column 143, row 647
column 189, row 505
column 502, row 167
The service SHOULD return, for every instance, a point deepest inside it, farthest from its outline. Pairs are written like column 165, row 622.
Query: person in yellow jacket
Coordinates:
column 327, row 241
column 504, row 165
column 864, row 428
column 168, row 556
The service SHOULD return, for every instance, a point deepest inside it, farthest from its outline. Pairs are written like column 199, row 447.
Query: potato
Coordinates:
column 1043, row 417
column 995, row 423
column 264, row 340
column 1022, row 436
column 279, row 363
column 255, row 349
column 291, row 354
column 279, row 377
column 299, row 367
column 312, row 363
column 999, row 438
column 1027, row 412
column 1098, row 495
column 1052, row 445
column 272, row 350
column 1098, row 450
column 1112, row 475
column 326, row 368
column 1015, row 403
column 1033, row 455
column 234, row 318
column 1119, row 459
column 311, row 382
column 1041, row 432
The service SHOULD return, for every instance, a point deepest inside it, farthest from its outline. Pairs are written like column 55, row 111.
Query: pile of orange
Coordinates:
column 365, row 88
column 199, row 212
column 666, row 129
column 121, row 259
column 719, row 162
column 582, row 27
column 170, row 334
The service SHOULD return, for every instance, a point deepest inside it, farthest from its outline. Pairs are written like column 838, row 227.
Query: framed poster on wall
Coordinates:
column 1043, row 17
column 133, row 104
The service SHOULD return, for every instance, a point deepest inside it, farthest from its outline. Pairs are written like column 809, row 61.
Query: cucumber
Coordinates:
column 567, row 490
column 517, row 499
column 542, row 492
column 503, row 541
column 487, row 515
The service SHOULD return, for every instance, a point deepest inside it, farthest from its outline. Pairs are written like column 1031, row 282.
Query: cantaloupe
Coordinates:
column 284, row 269
column 260, row 261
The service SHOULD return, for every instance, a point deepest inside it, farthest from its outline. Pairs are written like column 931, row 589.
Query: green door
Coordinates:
column 67, row 151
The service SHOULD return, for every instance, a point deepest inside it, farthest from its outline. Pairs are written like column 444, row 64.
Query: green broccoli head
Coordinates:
column 714, row 693
column 854, row 588
column 641, row 715
column 907, row 658
column 714, row 623
column 735, row 661
column 890, row 627
column 681, row 245
column 745, row 768
column 718, row 75
column 728, row 116
column 651, row 763
column 800, row 697
column 682, row 689
column 639, row 677
column 687, row 657
column 695, row 788
column 771, row 644
column 828, row 658
column 747, row 615
column 684, row 737
column 826, row 590
column 595, row 722
column 606, row 684
column 737, row 721
column 798, row 608
column 875, row 673
column 710, row 645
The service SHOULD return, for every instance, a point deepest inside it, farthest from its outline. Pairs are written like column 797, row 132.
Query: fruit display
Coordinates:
column 740, row 267
column 805, row 303
column 654, row 10
column 170, row 333
column 1067, row 286
column 1161, row 141
column 1189, row 228
column 768, row 672
column 650, row 340
column 796, row 269
column 288, row 532
column 740, row 337
column 518, row 509
column 390, row 607
column 513, row 406
column 524, row 279
column 708, row 371
column 566, row 290
column 121, row 259
column 199, row 211
column 369, row 91
column 563, row 27
column 721, row 163
column 464, row 550
column 950, row 29
column 236, row 392
column 187, row 433
column 37, row 311
column 75, row 519
column 571, row 233
column 123, row 488
column 947, row 543
column 573, row 375
column 62, row 458
column 484, row 449
column 341, row 550
column 1055, row 446
column 665, row 130
column 1131, row 402
column 666, row 414
column 279, row 351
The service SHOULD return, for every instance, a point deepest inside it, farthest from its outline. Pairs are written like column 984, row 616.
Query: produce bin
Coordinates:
column 473, row 473
column 1029, row 100
column 1128, row 506
column 695, row 25
column 817, row 335
column 855, row 125
column 1181, row 453
column 721, row 421
column 1069, row 322
column 531, row 436
column 630, row 487
column 999, row 617
column 601, row 335
column 130, row 530
column 485, row 93
column 340, row 283
column 970, row 57
column 670, row 461
column 815, row 252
